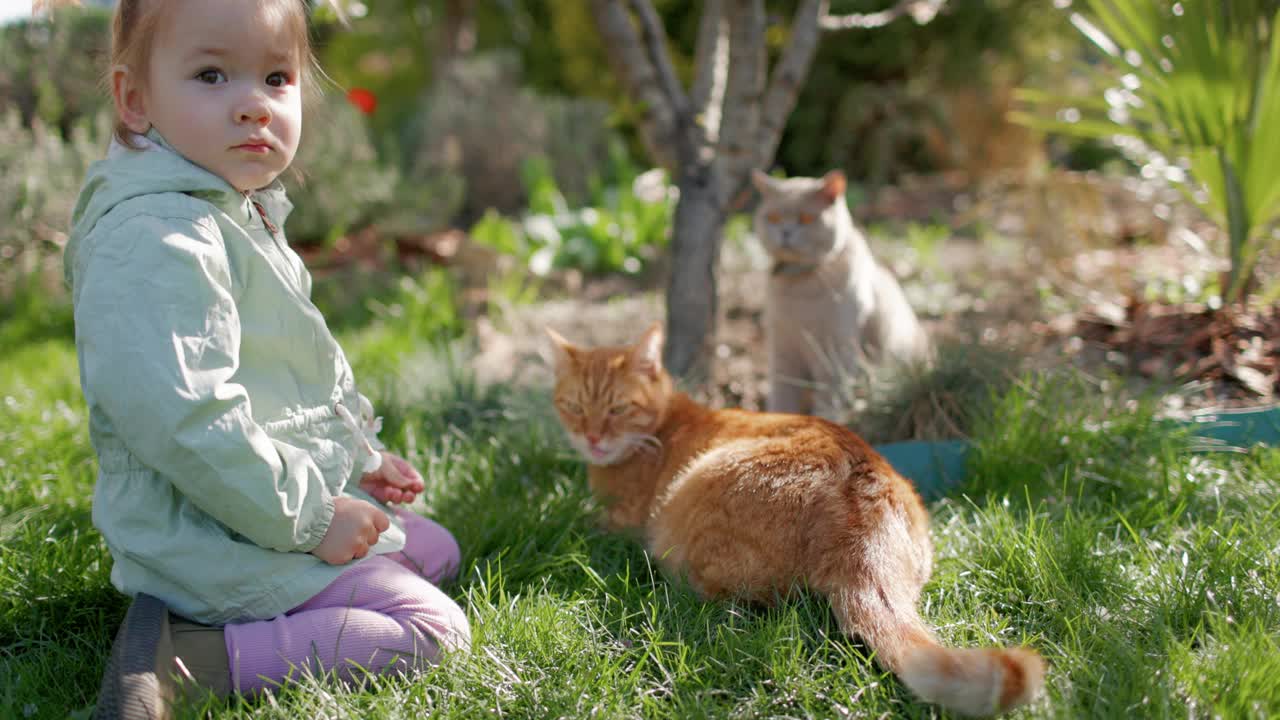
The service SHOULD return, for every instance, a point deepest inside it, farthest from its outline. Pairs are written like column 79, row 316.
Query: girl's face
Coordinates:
column 224, row 90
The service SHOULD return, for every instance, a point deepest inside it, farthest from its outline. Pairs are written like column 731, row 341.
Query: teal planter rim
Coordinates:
column 938, row 466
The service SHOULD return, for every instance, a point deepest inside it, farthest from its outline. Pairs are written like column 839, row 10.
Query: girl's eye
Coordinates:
column 211, row 76
column 773, row 217
column 278, row 79
column 805, row 218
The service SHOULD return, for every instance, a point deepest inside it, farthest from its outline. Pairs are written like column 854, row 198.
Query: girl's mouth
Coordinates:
column 257, row 148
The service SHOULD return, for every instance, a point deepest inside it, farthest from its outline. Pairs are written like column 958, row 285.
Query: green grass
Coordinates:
column 1147, row 574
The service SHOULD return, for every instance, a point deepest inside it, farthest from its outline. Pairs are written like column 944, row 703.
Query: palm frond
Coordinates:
column 1197, row 83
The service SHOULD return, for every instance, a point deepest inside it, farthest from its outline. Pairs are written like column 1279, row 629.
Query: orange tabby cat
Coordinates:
column 750, row 504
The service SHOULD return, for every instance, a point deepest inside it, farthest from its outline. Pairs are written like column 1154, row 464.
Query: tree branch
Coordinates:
column 711, row 70
column 788, row 77
column 659, row 123
column 743, row 92
column 922, row 11
column 655, row 43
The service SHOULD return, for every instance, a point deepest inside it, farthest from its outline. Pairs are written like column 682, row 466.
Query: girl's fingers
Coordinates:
column 391, row 495
column 406, row 469
column 392, row 475
column 396, row 481
column 409, row 472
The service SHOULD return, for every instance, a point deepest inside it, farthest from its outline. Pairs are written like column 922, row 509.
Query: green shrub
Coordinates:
column 482, row 125
column 879, row 103
column 52, row 70
column 618, row 230
column 40, row 176
column 341, row 185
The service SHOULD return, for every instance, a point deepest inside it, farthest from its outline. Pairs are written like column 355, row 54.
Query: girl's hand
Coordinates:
column 354, row 529
column 395, row 481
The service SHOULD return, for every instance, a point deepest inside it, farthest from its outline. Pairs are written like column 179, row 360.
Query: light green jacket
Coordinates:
column 215, row 390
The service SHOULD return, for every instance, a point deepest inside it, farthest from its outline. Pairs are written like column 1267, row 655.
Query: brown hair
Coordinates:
column 134, row 25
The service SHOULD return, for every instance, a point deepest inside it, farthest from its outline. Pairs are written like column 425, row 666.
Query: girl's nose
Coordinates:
column 254, row 112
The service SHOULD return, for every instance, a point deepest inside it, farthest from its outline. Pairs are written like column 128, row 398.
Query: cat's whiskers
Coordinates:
column 649, row 444
column 633, row 443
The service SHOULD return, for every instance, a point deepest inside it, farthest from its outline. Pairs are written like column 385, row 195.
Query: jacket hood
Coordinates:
column 156, row 168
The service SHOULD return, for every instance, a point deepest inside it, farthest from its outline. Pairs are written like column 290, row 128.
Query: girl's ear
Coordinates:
column 833, row 185
column 130, row 103
column 563, row 352
column 648, row 352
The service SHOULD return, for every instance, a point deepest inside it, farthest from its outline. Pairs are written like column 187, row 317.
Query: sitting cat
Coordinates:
column 829, row 304
column 750, row 504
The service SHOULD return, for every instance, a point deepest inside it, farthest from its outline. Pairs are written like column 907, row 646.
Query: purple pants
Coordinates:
column 385, row 614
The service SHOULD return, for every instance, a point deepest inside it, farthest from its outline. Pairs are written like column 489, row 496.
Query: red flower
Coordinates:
column 363, row 99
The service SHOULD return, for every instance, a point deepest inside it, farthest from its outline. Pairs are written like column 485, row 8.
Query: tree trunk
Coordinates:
column 455, row 36
column 691, row 292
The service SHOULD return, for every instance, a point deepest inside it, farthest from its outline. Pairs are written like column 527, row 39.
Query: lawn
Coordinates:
column 1146, row 573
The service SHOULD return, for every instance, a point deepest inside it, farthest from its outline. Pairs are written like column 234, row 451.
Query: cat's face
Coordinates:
column 611, row 399
column 798, row 218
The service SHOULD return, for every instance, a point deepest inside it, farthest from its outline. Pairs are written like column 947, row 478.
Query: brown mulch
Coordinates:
column 1233, row 352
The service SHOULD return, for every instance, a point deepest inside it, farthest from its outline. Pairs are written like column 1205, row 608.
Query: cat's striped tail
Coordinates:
column 975, row 682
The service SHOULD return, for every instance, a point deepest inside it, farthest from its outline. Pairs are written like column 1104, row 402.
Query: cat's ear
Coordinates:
column 833, row 185
column 762, row 181
column 563, row 352
column 647, row 353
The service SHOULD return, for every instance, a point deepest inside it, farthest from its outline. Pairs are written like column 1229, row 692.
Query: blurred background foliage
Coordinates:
column 471, row 115
column 907, row 98
column 1192, row 97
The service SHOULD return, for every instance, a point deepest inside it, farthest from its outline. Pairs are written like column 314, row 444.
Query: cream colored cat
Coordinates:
column 830, row 305
column 752, row 504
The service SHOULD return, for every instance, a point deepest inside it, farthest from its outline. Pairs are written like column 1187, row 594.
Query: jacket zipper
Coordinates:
column 274, row 232
column 271, row 227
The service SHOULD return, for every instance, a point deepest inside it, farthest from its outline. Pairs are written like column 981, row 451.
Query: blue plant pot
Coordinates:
column 937, row 467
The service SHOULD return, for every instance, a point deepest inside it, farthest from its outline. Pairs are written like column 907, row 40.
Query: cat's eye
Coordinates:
column 773, row 217
column 621, row 409
column 571, row 407
column 805, row 218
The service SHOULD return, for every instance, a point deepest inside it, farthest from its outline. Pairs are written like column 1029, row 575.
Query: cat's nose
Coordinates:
column 593, row 439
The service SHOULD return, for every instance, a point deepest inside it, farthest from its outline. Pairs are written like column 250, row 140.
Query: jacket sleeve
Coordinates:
column 159, row 337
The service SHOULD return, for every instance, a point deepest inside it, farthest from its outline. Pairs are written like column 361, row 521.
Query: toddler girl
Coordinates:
column 240, row 487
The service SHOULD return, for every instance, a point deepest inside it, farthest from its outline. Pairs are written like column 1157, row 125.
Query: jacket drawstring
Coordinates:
column 374, row 459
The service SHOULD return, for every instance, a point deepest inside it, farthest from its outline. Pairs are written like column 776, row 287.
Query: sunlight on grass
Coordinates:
column 1146, row 573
